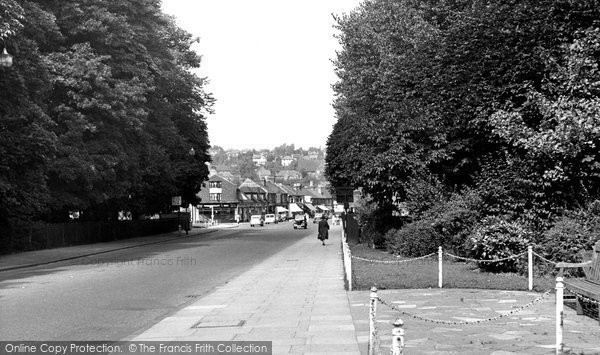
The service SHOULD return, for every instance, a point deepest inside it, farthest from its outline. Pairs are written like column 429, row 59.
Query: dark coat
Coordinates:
column 323, row 230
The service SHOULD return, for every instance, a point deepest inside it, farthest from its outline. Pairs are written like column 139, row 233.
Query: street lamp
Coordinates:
column 6, row 60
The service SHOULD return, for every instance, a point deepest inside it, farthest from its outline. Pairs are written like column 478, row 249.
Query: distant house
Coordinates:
column 313, row 155
column 323, row 199
column 213, row 151
column 276, row 196
column 295, row 200
column 313, row 168
column 218, row 200
column 253, row 199
column 287, row 160
column 287, row 175
column 232, row 153
column 259, row 159
column 263, row 173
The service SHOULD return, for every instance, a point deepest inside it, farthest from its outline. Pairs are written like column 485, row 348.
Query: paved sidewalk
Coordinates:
column 295, row 298
column 530, row 331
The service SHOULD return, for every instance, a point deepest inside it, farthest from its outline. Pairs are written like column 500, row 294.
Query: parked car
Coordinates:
column 317, row 217
column 270, row 218
column 256, row 220
column 300, row 221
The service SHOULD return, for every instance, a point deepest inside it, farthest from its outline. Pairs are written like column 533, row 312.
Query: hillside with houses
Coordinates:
column 282, row 181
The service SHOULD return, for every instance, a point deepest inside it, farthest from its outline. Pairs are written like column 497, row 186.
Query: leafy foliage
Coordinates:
column 494, row 101
column 99, row 111
column 496, row 239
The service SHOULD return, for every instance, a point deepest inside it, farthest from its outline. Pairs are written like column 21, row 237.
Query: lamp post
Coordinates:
column 6, row 60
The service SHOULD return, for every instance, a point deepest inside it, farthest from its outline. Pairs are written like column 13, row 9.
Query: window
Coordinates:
column 214, row 184
column 215, row 197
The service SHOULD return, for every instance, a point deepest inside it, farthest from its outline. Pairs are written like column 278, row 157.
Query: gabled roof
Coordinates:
column 274, row 188
column 249, row 186
column 228, row 190
column 290, row 191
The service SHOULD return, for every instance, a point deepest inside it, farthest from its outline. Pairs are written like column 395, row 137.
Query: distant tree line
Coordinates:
column 99, row 112
column 490, row 107
column 242, row 164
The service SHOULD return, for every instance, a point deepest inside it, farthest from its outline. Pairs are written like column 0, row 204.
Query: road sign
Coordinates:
column 344, row 194
column 176, row 201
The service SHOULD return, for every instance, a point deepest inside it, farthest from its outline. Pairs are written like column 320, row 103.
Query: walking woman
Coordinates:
column 323, row 229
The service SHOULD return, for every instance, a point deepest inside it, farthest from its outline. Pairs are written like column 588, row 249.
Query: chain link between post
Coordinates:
column 544, row 259
column 392, row 261
column 466, row 322
column 486, row 261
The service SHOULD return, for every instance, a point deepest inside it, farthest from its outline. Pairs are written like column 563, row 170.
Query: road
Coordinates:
column 120, row 294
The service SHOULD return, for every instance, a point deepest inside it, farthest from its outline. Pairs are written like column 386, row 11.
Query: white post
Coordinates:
column 530, row 266
column 349, row 269
column 440, row 267
column 559, row 315
column 398, row 337
column 372, row 313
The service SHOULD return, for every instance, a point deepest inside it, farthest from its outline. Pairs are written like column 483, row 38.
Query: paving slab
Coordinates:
column 295, row 298
column 530, row 330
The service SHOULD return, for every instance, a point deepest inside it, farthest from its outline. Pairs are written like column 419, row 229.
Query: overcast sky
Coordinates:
column 269, row 66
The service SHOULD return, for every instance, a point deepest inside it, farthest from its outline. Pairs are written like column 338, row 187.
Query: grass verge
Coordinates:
column 424, row 274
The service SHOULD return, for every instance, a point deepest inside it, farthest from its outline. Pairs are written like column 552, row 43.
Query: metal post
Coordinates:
column 530, row 266
column 559, row 315
column 440, row 267
column 398, row 337
column 372, row 313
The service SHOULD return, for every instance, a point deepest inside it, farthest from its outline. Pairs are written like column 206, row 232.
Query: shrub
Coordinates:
column 448, row 224
column 374, row 221
column 496, row 238
column 454, row 219
column 570, row 239
column 415, row 239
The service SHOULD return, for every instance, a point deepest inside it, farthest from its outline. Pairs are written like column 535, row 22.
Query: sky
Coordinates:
column 269, row 67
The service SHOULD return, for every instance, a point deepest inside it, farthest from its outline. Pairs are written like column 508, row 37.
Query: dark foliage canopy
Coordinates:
column 465, row 93
column 100, row 110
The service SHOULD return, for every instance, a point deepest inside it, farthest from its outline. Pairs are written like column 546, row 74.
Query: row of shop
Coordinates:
column 227, row 213
column 223, row 200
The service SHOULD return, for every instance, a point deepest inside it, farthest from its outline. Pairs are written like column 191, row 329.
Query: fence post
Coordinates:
column 559, row 315
column 372, row 313
column 440, row 267
column 530, row 266
column 349, row 269
column 398, row 337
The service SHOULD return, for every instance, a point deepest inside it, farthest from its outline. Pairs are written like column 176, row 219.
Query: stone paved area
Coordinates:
column 295, row 298
column 530, row 331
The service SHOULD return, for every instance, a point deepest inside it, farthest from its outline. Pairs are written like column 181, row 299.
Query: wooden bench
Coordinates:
column 589, row 286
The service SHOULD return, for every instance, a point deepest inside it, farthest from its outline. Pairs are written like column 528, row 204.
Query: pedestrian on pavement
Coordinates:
column 323, row 229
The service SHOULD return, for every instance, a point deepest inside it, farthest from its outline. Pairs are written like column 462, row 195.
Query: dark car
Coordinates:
column 300, row 221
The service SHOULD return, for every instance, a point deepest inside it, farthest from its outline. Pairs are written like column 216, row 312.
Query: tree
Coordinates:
column 27, row 143
column 99, row 112
column 419, row 81
column 557, row 130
